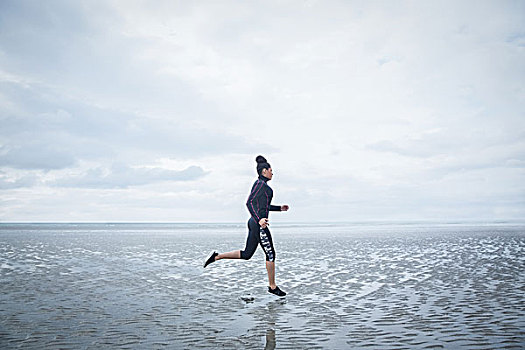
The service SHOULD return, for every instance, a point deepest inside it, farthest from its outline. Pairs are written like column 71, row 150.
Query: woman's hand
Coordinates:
column 284, row 207
column 263, row 222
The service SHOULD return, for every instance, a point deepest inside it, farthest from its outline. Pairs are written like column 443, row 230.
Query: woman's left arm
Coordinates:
column 279, row 207
column 275, row 207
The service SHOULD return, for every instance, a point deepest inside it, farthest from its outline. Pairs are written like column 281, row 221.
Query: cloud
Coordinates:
column 79, row 89
column 8, row 182
column 121, row 176
column 35, row 154
column 459, row 150
column 48, row 131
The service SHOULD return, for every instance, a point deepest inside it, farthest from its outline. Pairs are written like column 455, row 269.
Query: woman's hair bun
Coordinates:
column 260, row 159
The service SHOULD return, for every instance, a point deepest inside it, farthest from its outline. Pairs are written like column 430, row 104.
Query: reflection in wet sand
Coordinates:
column 273, row 308
column 405, row 287
column 270, row 339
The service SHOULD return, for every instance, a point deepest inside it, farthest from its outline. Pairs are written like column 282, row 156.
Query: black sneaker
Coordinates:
column 211, row 259
column 276, row 291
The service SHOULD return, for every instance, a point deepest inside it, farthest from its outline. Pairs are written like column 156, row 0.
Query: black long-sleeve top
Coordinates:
column 259, row 201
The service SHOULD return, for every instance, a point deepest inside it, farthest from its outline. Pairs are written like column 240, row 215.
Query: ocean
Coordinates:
column 368, row 285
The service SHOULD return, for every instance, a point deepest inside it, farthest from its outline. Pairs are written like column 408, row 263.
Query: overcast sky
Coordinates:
column 156, row 110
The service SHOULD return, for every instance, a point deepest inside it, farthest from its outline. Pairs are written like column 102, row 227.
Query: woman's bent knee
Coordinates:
column 246, row 255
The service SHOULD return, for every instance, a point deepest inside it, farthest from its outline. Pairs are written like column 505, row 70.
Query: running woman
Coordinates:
column 259, row 207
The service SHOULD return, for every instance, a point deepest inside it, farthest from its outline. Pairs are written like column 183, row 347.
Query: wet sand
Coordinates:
column 362, row 286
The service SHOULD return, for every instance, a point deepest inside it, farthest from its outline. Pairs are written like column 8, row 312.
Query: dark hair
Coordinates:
column 262, row 164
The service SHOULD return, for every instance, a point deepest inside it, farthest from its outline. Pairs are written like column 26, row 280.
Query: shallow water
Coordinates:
column 350, row 286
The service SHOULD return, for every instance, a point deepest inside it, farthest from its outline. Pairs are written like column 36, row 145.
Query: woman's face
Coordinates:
column 267, row 173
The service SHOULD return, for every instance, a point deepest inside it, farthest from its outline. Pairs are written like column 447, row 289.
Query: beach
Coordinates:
column 377, row 286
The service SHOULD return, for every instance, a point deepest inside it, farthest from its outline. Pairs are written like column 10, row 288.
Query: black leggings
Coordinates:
column 258, row 235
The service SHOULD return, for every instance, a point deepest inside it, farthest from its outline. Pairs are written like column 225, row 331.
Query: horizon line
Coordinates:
column 408, row 221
